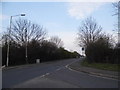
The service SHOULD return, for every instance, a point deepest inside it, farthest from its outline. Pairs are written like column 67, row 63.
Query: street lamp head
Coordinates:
column 22, row 14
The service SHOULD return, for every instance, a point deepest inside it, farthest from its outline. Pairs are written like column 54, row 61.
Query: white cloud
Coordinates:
column 82, row 9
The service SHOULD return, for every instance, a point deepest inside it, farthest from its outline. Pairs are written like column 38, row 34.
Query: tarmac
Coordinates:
column 78, row 67
column 103, row 73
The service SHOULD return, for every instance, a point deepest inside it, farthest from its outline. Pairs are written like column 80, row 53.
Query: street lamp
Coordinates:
column 26, row 56
column 8, row 48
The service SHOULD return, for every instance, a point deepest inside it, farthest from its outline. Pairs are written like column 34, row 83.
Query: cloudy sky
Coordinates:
column 60, row 18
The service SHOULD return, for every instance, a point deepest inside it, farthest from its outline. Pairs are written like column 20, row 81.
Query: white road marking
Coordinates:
column 72, row 69
column 58, row 69
column 44, row 75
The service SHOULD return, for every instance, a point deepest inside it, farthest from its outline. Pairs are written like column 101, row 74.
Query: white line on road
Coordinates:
column 51, row 72
column 44, row 75
column 58, row 69
column 72, row 69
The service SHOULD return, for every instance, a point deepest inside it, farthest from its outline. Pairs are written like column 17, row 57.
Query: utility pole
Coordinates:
column 8, row 49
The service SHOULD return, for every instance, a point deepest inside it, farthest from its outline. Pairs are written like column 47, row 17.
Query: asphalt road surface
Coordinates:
column 53, row 75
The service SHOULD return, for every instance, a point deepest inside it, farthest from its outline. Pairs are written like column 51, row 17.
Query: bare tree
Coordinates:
column 116, row 6
column 57, row 41
column 24, row 30
column 89, row 31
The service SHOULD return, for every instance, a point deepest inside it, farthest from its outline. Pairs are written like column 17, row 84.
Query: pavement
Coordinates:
column 19, row 66
column 103, row 73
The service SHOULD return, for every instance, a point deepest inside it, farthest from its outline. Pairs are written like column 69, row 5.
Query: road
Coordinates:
column 53, row 75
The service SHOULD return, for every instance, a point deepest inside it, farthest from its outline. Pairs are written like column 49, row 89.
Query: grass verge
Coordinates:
column 103, row 66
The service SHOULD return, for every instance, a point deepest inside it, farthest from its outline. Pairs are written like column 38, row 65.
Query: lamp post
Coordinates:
column 8, row 48
column 26, row 56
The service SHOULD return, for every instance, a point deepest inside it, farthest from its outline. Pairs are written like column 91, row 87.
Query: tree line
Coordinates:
column 99, row 46
column 27, row 35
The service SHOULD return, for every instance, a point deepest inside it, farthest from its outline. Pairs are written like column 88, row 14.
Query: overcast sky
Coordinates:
column 61, row 18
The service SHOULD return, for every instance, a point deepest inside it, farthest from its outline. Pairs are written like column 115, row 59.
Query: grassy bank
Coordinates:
column 103, row 66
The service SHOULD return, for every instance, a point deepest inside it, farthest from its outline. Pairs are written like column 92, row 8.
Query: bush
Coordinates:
column 101, row 52
column 45, row 51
